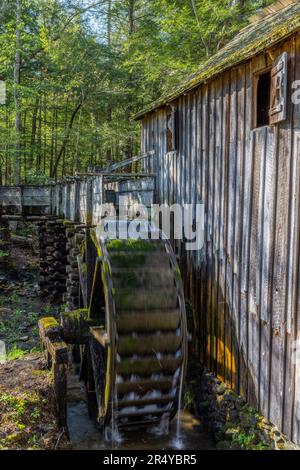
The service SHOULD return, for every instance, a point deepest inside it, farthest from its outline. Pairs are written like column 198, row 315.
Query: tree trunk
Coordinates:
column 66, row 139
column 64, row 151
column 45, row 135
column 7, row 145
column 109, row 108
column 24, row 146
column 17, row 67
column 39, row 146
column 53, row 129
column 129, row 108
column 33, row 132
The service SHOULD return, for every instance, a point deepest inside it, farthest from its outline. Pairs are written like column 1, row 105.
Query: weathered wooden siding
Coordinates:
column 245, row 283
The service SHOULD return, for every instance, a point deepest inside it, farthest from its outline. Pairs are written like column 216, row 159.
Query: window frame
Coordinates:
column 172, row 116
column 255, row 81
column 282, row 114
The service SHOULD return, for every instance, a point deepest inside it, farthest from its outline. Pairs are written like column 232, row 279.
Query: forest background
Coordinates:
column 76, row 72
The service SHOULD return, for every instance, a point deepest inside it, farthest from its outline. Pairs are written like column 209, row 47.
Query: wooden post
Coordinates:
column 89, row 201
column 77, row 202
column 90, row 263
column 52, row 208
column 57, row 357
column 90, row 251
column 60, row 199
column 68, row 202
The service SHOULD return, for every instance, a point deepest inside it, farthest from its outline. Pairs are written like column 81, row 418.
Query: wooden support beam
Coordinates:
column 100, row 335
column 59, row 357
column 49, row 328
column 91, row 257
column 56, row 352
column 129, row 161
column 76, row 326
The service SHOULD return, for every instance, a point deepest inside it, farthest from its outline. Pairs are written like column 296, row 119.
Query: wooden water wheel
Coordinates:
column 136, row 356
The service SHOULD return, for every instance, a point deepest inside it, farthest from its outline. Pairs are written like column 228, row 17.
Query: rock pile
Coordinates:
column 53, row 258
column 235, row 424
column 75, row 236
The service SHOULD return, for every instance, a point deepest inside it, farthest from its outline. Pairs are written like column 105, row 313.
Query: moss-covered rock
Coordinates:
column 234, row 424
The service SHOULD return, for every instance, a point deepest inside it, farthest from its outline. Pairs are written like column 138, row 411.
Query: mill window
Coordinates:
column 270, row 94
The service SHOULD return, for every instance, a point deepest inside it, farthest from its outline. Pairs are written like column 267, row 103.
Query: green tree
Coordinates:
column 77, row 71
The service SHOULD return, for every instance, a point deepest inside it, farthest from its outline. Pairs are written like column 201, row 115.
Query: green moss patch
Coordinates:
column 49, row 323
column 130, row 245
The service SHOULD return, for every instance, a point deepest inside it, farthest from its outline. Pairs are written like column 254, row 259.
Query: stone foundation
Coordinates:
column 233, row 423
column 59, row 242
column 53, row 259
column 75, row 236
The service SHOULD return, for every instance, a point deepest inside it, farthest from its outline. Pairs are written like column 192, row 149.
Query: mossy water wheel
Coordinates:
column 136, row 356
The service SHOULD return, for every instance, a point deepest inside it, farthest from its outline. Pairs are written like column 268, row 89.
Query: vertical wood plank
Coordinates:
column 266, row 268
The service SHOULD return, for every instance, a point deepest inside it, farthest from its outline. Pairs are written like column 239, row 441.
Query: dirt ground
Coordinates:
column 27, row 419
column 20, row 304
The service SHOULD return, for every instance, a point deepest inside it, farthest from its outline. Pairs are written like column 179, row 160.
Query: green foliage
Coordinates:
column 47, row 308
column 20, row 412
column 32, row 318
column 35, row 414
column 188, row 400
column 63, row 307
column 248, row 440
column 243, row 439
column 35, row 177
column 15, row 353
column 17, row 404
column 3, row 254
column 17, row 314
column 14, row 323
column 86, row 72
column 14, row 298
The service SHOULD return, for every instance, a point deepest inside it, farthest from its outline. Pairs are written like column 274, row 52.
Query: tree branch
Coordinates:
column 53, row 170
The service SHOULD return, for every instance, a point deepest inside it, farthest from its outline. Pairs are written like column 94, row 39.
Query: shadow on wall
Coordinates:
column 219, row 340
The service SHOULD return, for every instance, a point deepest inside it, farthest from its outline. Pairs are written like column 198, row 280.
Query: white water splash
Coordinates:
column 131, row 396
column 178, row 442
column 153, row 394
column 162, row 429
column 112, row 434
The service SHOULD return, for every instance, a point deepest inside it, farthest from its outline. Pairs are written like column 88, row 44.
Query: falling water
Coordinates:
column 112, row 433
column 162, row 429
column 85, row 435
column 178, row 442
